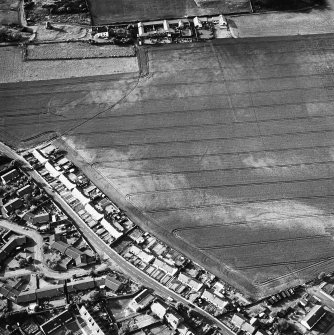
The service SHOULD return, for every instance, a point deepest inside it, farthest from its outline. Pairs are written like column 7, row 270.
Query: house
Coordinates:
column 12, row 205
column 110, row 229
column 9, row 292
column 81, row 285
column 137, row 236
column 213, row 299
column 66, row 182
column 48, row 150
column 52, row 170
column 141, row 300
column 313, row 317
column 26, row 297
column 39, row 156
column 40, row 218
column 219, row 289
column 81, row 197
column 93, row 212
column 95, row 326
column 56, row 322
column 10, row 176
column 194, row 284
column 24, row 190
column 144, row 256
column 174, row 319
column 89, row 189
column 62, row 161
column 50, row 291
column 261, row 332
column 78, row 256
column 159, row 308
column 242, row 323
column 165, row 267
column 14, row 242
column 113, row 284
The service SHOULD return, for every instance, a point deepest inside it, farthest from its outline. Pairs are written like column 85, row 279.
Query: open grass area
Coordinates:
column 226, row 149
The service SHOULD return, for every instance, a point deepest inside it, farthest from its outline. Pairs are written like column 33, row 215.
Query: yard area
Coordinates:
column 120, row 307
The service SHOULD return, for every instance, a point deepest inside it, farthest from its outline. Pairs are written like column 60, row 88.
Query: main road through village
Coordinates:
column 101, row 246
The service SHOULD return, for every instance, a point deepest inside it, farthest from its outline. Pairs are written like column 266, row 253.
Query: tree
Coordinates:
column 321, row 276
column 27, row 199
column 283, row 325
column 23, row 262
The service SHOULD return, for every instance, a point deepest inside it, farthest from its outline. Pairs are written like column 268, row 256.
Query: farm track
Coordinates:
column 186, row 172
column 276, row 279
column 230, row 185
column 143, row 143
column 224, row 203
column 204, row 125
column 176, row 231
column 45, row 114
column 274, row 264
column 220, row 154
column 226, row 246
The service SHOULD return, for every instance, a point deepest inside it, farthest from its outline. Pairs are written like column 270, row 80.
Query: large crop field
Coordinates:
column 225, row 148
column 104, row 11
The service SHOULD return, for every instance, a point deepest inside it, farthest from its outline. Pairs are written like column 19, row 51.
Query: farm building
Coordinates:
column 316, row 313
column 10, row 176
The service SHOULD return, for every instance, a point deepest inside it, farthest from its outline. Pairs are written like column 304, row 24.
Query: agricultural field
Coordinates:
column 225, row 151
column 104, row 12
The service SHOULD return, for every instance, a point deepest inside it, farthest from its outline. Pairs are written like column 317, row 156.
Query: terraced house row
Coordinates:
column 143, row 250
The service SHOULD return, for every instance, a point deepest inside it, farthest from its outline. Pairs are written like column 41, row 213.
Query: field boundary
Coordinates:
column 74, row 50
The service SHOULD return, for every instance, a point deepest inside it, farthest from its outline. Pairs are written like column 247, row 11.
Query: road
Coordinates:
column 97, row 242
column 38, row 255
